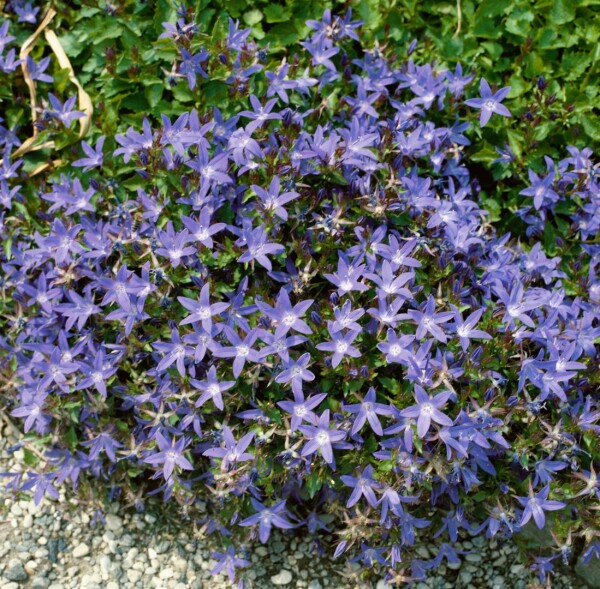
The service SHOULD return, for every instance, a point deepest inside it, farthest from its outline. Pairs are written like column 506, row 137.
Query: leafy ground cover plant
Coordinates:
column 292, row 300
column 546, row 51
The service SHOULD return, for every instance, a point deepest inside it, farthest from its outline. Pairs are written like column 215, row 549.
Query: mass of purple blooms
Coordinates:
column 301, row 312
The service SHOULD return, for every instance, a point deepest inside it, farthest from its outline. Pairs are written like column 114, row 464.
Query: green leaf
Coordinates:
column 313, row 484
column 493, row 207
column 215, row 93
column 490, row 8
column 515, row 140
column 518, row 87
column 549, row 239
column 542, row 131
column 136, row 102
column 493, row 49
column 534, row 65
column 275, row 13
column 97, row 34
column 575, row 65
column 282, row 35
column 29, row 457
column 519, row 22
column 163, row 12
column 122, row 426
column 390, row 384
column 369, row 12
column 371, row 444
column 182, row 92
column 485, row 155
column 562, row 12
column 71, row 438
column 7, row 246
column 591, row 125
column 154, row 93
column 253, row 17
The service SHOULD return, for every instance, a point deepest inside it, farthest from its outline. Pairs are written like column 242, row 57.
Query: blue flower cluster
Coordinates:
column 301, row 310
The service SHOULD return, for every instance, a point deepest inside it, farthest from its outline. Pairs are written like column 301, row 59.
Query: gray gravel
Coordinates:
column 56, row 546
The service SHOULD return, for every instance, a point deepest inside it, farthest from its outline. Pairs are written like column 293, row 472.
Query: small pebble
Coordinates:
column 114, row 522
column 283, row 578
column 16, row 572
column 81, row 550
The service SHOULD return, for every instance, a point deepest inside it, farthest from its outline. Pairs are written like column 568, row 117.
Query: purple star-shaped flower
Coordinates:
column 340, row 346
column 428, row 320
column 362, row 485
column 64, row 112
column 535, row 505
column 300, row 409
column 285, row 315
column 490, row 102
column 321, row 437
column 296, row 371
column 97, row 374
column 272, row 201
column 396, row 348
column 427, row 410
column 465, row 330
column 368, row 410
column 233, row 452
column 175, row 352
column 202, row 310
column 240, row 350
column 171, row 455
column 267, row 517
column 94, row 158
column 228, row 561
column 258, row 247
column 211, row 388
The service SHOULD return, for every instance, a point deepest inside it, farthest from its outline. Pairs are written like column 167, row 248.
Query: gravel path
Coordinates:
column 57, row 546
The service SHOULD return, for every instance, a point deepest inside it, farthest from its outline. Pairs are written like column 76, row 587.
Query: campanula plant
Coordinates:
column 294, row 305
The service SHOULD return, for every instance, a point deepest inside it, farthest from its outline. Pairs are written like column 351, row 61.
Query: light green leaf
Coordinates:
column 276, row 13
column 515, row 140
column 562, row 12
column 154, row 93
column 253, row 17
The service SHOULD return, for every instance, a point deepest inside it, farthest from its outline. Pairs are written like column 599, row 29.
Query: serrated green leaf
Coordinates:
column 29, row 457
column 371, row 444
column 519, row 22
column 518, row 86
column 492, row 206
column 562, row 12
column 591, row 125
column 313, row 484
column 71, row 438
column 215, row 93
column 275, row 13
column 485, row 155
column 515, row 140
column 390, row 384
column 491, row 8
column 154, row 93
column 98, row 33
column 253, row 17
